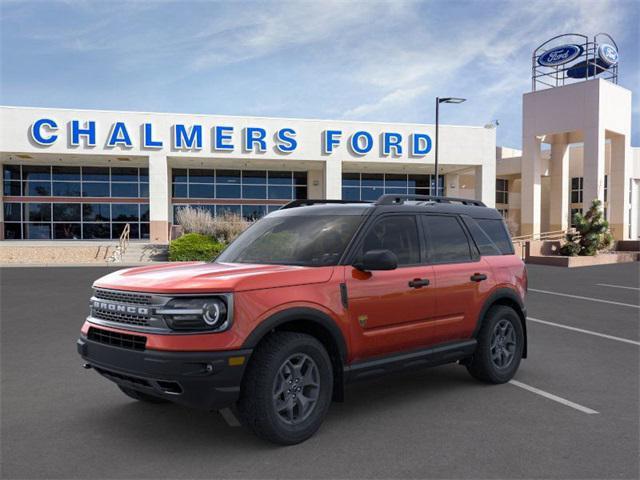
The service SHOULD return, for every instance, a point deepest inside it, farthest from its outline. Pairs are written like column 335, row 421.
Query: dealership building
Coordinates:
column 86, row 174
column 83, row 174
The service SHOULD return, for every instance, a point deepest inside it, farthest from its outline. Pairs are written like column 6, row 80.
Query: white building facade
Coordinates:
column 85, row 174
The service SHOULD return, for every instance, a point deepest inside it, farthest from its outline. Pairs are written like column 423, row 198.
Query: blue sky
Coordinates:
column 366, row 60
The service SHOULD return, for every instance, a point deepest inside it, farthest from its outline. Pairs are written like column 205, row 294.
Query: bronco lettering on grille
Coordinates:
column 114, row 307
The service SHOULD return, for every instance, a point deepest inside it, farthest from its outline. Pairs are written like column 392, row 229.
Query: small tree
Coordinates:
column 591, row 235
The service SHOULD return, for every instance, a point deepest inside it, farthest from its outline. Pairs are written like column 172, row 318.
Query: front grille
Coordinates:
column 116, row 339
column 124, row 297
column 142, row 321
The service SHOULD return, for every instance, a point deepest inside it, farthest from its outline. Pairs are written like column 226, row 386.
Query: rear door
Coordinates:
column 462, row 278
column 390, row 310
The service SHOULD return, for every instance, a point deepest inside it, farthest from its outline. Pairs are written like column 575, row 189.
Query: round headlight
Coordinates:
column 211, row 313
column 195, row 314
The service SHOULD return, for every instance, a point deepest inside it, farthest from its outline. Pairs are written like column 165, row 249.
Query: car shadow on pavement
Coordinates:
column 193, row 431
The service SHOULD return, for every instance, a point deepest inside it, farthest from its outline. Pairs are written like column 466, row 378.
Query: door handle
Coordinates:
column 478, row 277
column 418, row 282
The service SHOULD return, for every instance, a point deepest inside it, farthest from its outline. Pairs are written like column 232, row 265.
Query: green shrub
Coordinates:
column 194, row 247
column 591, row 235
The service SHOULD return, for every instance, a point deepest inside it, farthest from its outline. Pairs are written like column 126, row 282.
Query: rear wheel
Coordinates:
column 286, row 391
column 141, row 396
column 500, row 344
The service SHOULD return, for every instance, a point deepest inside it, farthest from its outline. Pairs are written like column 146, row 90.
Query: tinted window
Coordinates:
column 398, row 234
column 96, row 212
column 66, row 189
column 12, row 189
column 36, row 172
column 314, row 240
column 280, row 178
column 66, row 212
column 98, row 174
column 37, row 189
column 446, row 240
column 66, row 173
column 497, row 232
column 95, row 189
column 11, row 172
column 485, row 244
column 124, row 212
column 124, row 189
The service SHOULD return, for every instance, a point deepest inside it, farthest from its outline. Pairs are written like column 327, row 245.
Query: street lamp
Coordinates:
column 438, row 102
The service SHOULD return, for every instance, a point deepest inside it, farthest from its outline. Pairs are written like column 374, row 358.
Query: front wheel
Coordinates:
column 500, row 345
column 286, row 391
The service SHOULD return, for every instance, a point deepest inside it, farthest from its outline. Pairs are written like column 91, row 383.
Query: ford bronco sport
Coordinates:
column 312, row 296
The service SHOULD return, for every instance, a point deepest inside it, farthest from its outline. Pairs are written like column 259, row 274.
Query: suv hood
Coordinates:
column 202, row 277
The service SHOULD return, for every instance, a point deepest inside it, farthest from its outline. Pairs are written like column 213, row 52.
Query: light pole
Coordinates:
column 438, row 102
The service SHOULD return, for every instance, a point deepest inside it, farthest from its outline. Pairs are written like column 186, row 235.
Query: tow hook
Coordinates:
column 86, row 366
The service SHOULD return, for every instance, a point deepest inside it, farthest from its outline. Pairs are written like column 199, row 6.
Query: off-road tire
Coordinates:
column 482, row 365
column 256, row 404
column 141, row 396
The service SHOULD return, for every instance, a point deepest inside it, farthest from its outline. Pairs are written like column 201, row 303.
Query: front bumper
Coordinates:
column 203, row 380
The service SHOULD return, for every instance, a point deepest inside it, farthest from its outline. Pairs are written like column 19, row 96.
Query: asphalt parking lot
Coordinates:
column 573, row 412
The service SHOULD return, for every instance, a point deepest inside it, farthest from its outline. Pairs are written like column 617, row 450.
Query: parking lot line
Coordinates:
column 616, row 286
column 581, row 330
column 585, row 298
column 553, row 397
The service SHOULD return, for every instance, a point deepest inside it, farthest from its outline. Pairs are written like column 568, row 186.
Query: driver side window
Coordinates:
column 397, row 233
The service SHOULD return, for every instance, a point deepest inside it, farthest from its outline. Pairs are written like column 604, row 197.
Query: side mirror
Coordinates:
column 377, row 260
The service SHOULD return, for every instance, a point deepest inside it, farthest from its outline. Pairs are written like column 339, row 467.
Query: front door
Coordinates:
column 391, row 310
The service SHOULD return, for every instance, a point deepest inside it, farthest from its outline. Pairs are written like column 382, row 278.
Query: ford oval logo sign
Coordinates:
column 608, row 54
column 560, row 55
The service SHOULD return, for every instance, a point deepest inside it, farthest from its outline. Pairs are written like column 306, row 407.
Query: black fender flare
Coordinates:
column 296, row 314
column 511, row 298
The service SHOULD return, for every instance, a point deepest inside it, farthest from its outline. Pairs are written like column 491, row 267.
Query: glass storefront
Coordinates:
column 63, row 213
column 204, row 188
column 369, row 186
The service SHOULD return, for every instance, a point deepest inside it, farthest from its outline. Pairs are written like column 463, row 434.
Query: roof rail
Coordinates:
column 309, row 202
column 391, row 199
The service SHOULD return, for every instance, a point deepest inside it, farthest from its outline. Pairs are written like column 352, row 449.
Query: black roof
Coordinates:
column 391, row 203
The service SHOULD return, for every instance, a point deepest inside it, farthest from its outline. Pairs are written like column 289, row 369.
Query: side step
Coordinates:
column 427, row 357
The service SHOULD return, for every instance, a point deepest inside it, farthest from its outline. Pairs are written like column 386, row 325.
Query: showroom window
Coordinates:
column 205, row 187
column 64, row 213
column 63, row 181
column 502, row 190
column 369, row 186
column 576, row 190
column 74, row 221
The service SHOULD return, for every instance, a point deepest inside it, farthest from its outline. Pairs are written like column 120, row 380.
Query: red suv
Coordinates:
column 312, row 296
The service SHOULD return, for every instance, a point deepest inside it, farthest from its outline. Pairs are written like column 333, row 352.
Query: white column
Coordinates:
column 593, row 167
column 159, row 198
column 531, row 186
column 332, row 179
column 485, row 183
column 559, row 205
column 618, row 188
column 315, row 179
column 452, row 185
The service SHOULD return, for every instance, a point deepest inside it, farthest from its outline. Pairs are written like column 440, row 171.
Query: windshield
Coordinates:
column 316, row 240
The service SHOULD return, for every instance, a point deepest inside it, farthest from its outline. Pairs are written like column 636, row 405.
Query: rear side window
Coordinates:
column 397, row 233
column 497, row 232
column 446, row 240
column 484, row 243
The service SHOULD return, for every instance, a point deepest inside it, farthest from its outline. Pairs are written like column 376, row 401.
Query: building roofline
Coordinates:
column 18, row 107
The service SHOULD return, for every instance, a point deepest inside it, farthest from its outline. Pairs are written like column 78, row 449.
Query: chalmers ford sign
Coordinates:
column 222, row 138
